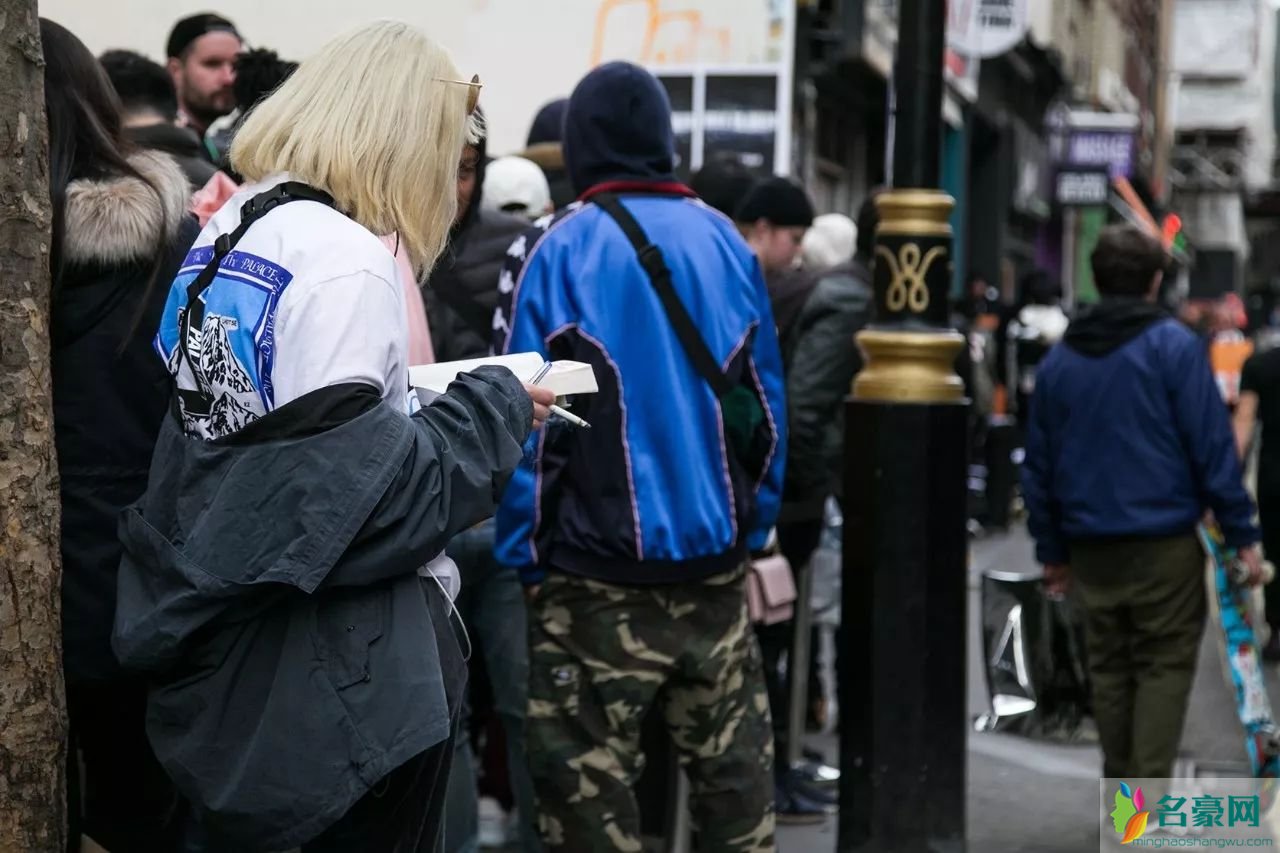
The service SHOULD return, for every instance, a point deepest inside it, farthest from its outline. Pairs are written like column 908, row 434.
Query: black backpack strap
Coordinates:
column 192, row 321
column 655, row 266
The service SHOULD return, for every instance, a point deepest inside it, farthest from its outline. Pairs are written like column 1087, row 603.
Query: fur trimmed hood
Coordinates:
column 117, row 220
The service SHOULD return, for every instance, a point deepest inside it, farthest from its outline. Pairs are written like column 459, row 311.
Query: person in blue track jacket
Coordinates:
column 632, row 537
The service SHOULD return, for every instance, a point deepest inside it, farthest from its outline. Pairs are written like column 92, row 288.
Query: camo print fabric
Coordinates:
column 602, row 655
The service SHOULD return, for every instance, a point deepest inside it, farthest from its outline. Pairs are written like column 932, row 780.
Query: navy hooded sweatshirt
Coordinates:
column 617, row 127
column 1128, row 436
column 650, row 494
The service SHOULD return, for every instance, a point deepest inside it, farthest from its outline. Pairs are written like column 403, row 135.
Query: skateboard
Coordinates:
column 1230, row 585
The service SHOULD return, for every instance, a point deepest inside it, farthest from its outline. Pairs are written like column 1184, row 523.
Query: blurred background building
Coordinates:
column 1060, row 115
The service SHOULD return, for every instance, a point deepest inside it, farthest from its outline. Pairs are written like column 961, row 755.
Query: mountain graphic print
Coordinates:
column 234, row 351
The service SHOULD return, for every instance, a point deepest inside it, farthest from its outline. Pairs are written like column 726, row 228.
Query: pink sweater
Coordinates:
column 420, row 349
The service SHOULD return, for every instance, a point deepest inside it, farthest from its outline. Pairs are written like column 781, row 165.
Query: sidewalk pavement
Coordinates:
column 1039, row 797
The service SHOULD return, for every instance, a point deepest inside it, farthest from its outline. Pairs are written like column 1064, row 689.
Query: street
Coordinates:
column 1040, row 797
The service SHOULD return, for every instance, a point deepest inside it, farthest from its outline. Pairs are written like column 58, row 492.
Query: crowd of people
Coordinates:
column 309, row 606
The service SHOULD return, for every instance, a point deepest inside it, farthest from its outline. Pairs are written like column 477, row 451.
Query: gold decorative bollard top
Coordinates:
column 909, row 351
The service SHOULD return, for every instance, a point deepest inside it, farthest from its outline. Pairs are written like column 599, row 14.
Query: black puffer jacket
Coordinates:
column 462, row 292
column 110, row 389
column 821, row 364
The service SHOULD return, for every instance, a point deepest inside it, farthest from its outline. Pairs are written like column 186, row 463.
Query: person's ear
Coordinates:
column 174, row 66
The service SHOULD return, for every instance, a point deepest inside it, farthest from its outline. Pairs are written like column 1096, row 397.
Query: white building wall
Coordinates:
column 1224, row 54
column 1041, row 19
column 527, row 52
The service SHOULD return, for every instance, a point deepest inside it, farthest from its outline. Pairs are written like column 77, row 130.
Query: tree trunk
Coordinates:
column 32, row 704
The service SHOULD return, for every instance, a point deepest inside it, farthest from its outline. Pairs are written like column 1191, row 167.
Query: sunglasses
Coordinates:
column 473, row 96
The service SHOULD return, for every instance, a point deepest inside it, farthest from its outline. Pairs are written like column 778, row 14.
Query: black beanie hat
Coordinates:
column 189, row 29
column 781, row 201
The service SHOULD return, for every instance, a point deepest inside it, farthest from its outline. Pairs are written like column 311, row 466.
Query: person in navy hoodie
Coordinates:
column 632, row 536
column 1128, row 445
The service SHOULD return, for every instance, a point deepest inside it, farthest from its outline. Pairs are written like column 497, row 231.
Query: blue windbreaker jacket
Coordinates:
column 1129, row 437
column 649, row 494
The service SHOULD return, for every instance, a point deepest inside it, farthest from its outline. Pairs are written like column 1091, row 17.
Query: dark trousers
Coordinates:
column 123, row 799
column 1144, row 603
column 797, row 541
column 492, row 603
column 1269, row 515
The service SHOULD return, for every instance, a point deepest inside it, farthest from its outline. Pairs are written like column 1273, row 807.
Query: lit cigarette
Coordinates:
column 570, row 417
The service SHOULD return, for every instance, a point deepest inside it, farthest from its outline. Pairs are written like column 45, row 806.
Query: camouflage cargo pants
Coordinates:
column 601, row 656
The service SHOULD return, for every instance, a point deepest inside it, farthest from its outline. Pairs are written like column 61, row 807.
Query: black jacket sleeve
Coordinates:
column 465, row 446
column 822, row 368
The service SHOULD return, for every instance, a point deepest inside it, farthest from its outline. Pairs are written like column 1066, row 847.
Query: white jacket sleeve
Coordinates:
column 349, row 328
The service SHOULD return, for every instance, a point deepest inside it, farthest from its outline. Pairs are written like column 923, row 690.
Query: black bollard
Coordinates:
column 902, row 683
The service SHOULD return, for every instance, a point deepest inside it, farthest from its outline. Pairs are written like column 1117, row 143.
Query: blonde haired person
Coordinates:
column 280, row 584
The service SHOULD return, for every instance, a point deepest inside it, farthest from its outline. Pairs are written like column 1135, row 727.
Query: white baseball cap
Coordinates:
column 517, row 186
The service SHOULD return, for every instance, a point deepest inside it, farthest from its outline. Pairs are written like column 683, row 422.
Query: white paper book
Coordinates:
column 565, row 378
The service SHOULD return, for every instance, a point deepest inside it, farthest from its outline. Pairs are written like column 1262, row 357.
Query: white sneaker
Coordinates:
column 492, row 825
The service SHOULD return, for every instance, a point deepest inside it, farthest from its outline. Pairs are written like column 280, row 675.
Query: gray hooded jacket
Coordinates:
column 822, row 359
column 269, row 590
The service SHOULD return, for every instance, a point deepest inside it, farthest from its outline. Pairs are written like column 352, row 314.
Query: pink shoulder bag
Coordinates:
column 771, row 590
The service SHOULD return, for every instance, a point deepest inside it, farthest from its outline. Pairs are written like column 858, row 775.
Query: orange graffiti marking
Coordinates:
column 682, row 29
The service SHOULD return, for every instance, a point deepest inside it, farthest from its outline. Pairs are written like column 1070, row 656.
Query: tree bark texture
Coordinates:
column 32, row 703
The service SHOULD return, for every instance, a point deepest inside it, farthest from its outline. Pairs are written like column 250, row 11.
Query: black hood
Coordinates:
column 548, row 124
column 1099, row 329
column 618, row 128
column 467, row 217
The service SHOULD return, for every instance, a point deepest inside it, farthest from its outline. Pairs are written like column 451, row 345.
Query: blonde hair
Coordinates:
column 372, row 120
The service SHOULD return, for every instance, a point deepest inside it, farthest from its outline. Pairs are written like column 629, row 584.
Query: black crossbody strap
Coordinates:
column 655, row 266
column 251, row 211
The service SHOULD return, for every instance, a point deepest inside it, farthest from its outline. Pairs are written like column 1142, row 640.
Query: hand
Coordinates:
column 531, row 593
column 1057, row 579
column 1252, row 559
column 543, row 399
